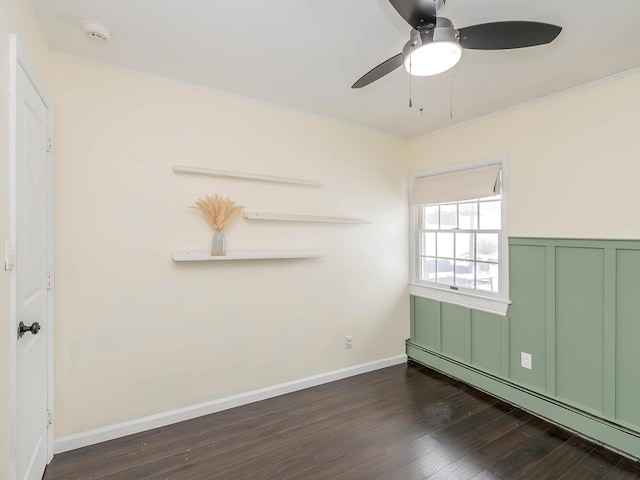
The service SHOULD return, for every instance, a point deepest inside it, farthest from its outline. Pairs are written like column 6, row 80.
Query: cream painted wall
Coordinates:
column 138, row 334
column 16, row 16
column 574, row 160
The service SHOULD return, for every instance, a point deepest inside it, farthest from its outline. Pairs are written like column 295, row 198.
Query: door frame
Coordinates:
column 18, row 58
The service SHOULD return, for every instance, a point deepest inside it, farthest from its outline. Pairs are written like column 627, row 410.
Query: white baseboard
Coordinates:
column 78, row 440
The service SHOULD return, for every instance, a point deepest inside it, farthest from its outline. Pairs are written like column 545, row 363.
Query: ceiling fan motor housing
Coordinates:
column 444, row 32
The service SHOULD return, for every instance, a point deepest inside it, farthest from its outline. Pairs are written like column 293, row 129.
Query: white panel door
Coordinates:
column 32, row 282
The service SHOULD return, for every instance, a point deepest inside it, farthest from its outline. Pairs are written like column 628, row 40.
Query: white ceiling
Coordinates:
column 306, row 54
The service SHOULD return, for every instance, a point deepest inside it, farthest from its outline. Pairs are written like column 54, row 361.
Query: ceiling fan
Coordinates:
column 435, row 45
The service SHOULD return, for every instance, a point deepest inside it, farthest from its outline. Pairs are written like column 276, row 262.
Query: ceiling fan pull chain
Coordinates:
column 410, row 76
column 451, row 99
column 410, row 102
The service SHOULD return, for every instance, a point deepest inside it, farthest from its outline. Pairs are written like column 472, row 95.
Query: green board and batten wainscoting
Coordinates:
column 576, row 309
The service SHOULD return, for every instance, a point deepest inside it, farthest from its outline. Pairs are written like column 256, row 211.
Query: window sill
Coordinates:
column 495, row 306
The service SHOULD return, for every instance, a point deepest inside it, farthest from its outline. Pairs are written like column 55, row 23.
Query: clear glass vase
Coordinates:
column 218, row 244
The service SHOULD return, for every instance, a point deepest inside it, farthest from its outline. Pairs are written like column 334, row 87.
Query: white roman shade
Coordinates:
column 456, row 186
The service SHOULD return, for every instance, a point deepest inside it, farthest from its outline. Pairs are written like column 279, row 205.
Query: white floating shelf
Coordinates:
column 205, row 255
column 245, row 176
column 300, row 218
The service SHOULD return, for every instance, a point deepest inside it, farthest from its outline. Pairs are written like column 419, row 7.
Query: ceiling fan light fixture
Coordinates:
column 436, row 46
column 432, row 58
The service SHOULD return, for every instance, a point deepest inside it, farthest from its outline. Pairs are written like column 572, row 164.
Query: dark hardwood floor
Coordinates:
column 403, row 422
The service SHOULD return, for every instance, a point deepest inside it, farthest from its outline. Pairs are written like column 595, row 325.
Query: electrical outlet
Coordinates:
column 348, row 341
column 525, row 360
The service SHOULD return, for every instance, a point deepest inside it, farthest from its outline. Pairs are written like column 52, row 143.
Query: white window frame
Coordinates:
column 490, row 302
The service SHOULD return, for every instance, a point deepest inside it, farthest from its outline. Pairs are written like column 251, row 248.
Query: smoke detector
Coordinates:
column 96, row 30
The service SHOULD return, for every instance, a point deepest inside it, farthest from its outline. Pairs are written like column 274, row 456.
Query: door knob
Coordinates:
column 33, row 328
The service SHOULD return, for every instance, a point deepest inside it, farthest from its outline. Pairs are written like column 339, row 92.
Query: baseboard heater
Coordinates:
column 601, row 431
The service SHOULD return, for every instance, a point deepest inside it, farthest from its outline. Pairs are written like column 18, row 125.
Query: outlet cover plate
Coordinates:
column 525, row 360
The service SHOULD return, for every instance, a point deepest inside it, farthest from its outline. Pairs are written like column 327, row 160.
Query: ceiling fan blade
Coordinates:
column 506, row 35
column 380, row 71
column 417, row 13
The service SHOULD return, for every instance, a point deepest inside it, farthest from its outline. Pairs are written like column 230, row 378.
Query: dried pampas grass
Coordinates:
column 218, row 210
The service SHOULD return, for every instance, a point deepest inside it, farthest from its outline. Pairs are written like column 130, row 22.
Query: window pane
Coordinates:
column 428, row 244
column 465, row 276
column 490, row 215
column 445, row 271
column 487, row 247
column 429, row 218
column 487, row 277
column 448, row 217
column 468, row 216
column 465, row 243
column 428, row 269
column 445, row 245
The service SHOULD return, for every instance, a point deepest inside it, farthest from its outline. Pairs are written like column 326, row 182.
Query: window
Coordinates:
column 459, row 237
column 458, row 244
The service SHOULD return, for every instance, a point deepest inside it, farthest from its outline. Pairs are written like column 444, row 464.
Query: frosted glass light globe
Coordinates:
column 432, row 58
